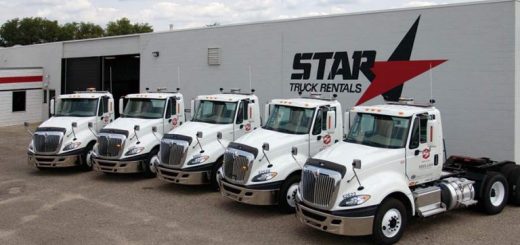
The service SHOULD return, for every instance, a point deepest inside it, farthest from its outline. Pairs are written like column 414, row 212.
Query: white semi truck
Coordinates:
column 192, row 154
column 65, row 140
column 127, row 144
column 258, row 167
column 389, row 169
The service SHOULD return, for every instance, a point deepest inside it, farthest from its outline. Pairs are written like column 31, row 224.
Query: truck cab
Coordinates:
column 65, row 140
column 390, row 167
column 127, row 144
column 191, row 154
column 259, row 169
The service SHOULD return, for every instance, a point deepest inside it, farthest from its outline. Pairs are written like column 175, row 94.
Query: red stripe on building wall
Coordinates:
column 24, row 79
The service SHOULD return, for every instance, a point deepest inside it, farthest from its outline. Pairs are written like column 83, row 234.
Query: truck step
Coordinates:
column 431, row 212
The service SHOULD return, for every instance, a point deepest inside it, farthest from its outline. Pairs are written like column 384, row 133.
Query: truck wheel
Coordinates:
column 147, row 172
column 514, row 186
column 494, row 193
column 287, row 196
column 213, row 180
column 86, row 159
column 389, row 222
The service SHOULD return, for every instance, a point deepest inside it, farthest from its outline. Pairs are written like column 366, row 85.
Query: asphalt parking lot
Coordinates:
column 65, row 206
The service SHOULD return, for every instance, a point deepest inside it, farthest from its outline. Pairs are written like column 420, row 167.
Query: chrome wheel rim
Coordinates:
column 291, row 195
column 88, row 159
column 497, row 194
column 391, row 223
column 153, row 163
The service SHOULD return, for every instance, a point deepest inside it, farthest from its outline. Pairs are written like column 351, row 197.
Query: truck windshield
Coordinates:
column 76, row 107
column 290, row 119
column 379, row 131
column 144, row 108
column 218, row 112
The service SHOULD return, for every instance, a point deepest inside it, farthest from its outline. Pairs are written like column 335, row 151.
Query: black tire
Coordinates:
column 514, row 186
column 495, row 187
column 389, row 222
column 84, row 161
column 286, row 200
column 147, row 172
column 213, row 181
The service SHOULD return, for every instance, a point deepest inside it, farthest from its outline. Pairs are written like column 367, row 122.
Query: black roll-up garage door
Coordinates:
column 80, row 74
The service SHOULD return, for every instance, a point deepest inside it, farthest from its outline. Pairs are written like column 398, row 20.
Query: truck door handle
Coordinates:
column 417, row 152
column 241, row 126
column 319, row 137
column 170, row 120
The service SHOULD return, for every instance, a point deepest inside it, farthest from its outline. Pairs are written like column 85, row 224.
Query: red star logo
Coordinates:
column 390, row 74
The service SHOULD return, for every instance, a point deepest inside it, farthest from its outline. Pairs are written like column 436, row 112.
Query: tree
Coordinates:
column 29, row 31
column 124, row 27
column 82, row 30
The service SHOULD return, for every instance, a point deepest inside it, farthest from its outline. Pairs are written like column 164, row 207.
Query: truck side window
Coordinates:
column 424, row 128
column 103, row 106
column 240, row 116
column 318, row 124
column 414, row 140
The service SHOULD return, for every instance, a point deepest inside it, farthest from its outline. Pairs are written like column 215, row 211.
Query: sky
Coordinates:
column 192, row 13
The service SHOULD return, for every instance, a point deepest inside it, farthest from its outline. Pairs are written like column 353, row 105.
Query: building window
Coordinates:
column 18, row 101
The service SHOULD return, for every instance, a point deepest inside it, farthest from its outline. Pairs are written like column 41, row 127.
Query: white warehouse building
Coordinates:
column 465, row 56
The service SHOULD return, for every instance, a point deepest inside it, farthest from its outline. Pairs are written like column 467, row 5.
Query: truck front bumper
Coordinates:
column 337, row 224
column 182, row 176
column 241, row 194
column 133, row 165
column 56, row 161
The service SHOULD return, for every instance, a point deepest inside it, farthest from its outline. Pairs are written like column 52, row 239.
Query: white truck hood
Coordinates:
column 127, row 123
column 344, row 153
column 279, row 143
column 65, row 122
column 209, row 130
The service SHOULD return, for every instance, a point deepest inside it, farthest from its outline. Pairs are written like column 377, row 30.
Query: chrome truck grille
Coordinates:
column 48, row 140
column 237, row 162
column 174, row 149
column 320, row 181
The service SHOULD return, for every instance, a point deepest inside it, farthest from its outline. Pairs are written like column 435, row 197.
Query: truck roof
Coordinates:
column 304, row 102
column 226, row 97
column 400, row 110
column 85, row 95
column 153, row 95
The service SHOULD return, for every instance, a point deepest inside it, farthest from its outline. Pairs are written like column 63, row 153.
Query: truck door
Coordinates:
column 242, row 123
column 420, row 165
column 103, row 116
column 171, row 118
column 320, row 138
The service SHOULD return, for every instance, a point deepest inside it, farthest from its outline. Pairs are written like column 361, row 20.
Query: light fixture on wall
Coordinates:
column 155, row 54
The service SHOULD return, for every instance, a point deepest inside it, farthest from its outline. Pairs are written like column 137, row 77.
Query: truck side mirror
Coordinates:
column 111, row 106
column 331, row 122
column 154, row 129
column 121, row 106
column 294, row 150
column 266, row 113
column 265, row 146
column 219, row 135
column 192, row 108
column 52, row 107
column 136, row 128
column 90, row 125
column 250, row 111
column 199, row 134
column 74, row 124
column 356, row 163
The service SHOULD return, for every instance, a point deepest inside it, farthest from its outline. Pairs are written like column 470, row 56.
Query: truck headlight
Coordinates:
column 134, row 150
column 71, row 146
column 198, row 159
column 264, row 176
column 31, row 146
column 354, row 200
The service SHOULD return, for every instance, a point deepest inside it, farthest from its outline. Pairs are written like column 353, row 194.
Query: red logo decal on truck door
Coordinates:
column 327, row 139
column 426, row 153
